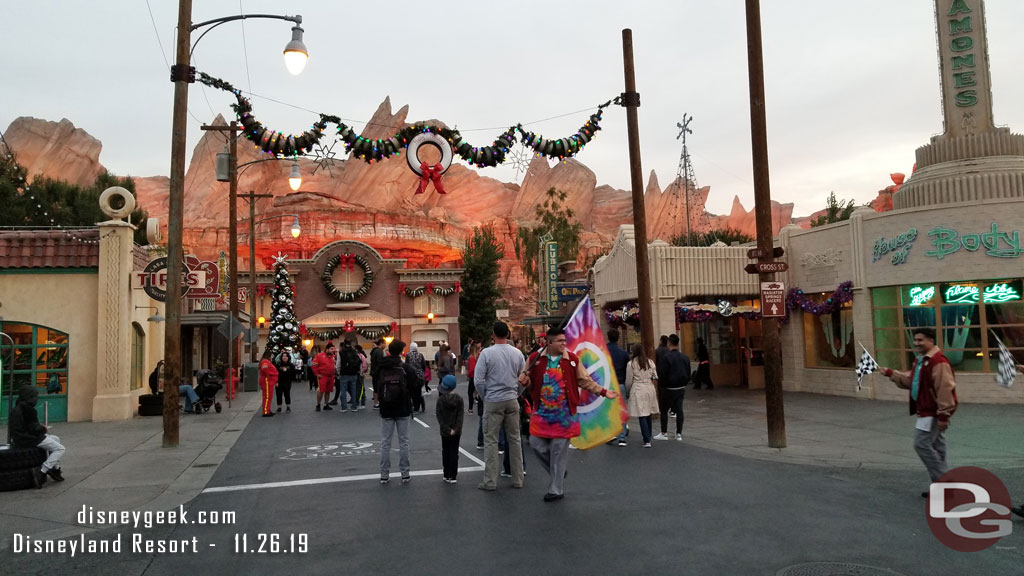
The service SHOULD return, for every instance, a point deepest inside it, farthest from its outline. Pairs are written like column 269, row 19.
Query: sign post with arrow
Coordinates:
column 773, row 299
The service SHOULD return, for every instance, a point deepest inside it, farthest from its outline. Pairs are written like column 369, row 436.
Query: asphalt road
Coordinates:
column 311, row 479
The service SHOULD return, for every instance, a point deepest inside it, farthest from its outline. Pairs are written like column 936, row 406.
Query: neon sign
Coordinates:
column 995, row 243
column 969, row 293
column 898, row 245
column 921, row 296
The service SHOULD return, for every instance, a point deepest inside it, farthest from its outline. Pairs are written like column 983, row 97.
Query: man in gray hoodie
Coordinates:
column 496, row 379
column 27, row 432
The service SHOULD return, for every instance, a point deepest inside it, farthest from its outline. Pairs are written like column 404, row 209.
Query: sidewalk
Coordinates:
column 123, row 466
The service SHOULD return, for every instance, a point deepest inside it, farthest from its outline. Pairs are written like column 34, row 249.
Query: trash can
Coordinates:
column 251, row 377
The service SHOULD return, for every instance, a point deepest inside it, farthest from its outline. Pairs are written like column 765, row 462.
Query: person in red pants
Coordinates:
column 268, row 379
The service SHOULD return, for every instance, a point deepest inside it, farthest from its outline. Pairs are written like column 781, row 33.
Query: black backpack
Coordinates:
column 350, row 362
column 392, row 384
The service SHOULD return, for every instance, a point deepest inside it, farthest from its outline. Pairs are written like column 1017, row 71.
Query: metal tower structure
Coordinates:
column 686, row 174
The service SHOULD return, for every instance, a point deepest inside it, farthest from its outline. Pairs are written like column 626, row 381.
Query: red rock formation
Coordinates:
column 55, row 149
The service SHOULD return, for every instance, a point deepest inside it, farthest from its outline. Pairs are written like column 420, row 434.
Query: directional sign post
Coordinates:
column 773, row 299
column 766, row 267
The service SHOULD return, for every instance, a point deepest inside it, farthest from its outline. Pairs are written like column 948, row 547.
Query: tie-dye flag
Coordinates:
column 601, row 419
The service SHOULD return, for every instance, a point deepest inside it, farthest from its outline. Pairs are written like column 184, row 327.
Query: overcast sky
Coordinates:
column 852, row 88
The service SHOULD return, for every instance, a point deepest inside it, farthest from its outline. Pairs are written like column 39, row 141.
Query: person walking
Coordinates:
column 932, row 386
column 310, row 374
column 395, row 380
column 449, row 411
column 673, row 372
column 703, row 375
column 285, row 376
column 641, row 387
column 364, row 365
column 268, row 380
column 554, row 378
column 323, row 368
column 376, row 355
column 27, row 432
column 349, row 364
column 474, row 353
column 418, row 363
column 620, row 358
column 445, row 363
column 496, row 375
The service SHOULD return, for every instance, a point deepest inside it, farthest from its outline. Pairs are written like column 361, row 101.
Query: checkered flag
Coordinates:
column 1007, row 366
column 866, row 366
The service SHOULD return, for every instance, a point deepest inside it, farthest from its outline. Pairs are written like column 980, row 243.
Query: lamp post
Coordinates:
column 182, row 75
column 296, row 230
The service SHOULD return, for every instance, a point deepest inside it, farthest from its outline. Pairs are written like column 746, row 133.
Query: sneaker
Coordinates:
column 406, row 479
column 924, row 494
column 384, row 481
column 672, row 413
column 483, row 486
column 470, row 411
column 333, row 403
column 500, row 452
column 317, row 407
column 376, row 406
column 622, row 442
column 679, row 437
column 549, row 497
column 278, row 408
column 572, row 447
column 344, row 409
column 327, row 407
column 56, row 474
column 661, row 436
column 505, row 475
column 288, row 409
column 647, row 444
column 453, row 481
column 479, row 446
column 38, row 478
column 269, row 415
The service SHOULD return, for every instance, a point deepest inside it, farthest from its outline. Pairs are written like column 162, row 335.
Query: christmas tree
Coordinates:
column 284, row 328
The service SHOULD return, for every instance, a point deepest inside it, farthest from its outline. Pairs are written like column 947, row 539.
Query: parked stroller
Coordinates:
column 207, row 385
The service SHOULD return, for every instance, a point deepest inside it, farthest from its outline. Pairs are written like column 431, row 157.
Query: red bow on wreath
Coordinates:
column 303, row 331
column 349, row 325
column 458, row 287
column 401, row 288
column 348, row 261
column 430, row 173
column 261, row 289
column 394, row 326
column 429, row 288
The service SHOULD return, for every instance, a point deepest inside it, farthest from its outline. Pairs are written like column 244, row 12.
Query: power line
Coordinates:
column 167, row 64
column 245, row 49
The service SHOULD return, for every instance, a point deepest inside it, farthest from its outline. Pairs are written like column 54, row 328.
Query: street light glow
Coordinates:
column 295, row 53
column 296, row 229
column 295, row 178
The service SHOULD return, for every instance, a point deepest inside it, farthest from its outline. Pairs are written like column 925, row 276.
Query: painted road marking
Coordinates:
column 334, row 480
column 422, row 423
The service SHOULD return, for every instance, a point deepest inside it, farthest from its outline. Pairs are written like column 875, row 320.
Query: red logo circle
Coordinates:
column 968, row 509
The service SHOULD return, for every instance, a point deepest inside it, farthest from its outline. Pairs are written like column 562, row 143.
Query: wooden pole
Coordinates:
column 763, row 216
column 175, row 210
column 251, row 198
column 631, row 100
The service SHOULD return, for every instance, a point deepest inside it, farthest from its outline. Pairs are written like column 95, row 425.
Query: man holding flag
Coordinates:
column 554, row 378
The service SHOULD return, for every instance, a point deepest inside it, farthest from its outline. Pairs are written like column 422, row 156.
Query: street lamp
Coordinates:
column 296, row 231
column 182, row 74
column 430, row 317
column 156, row 317
column 295, row 178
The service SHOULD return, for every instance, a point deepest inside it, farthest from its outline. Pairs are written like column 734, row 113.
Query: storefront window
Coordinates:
column 828, row 338
column 965, row 315
column 40, row 357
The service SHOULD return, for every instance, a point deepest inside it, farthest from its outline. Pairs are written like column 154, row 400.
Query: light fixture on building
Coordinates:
column 307, row 342
column 156, row 317
column 296, row 229
column 261, row 321
column 295, row 178
column 430, row 318
column 388, row 339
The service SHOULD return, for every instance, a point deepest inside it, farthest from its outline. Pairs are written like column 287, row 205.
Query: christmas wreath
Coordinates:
column 350, row 261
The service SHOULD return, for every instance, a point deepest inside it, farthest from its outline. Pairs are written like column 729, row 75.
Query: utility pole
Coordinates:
column 232, row 129
column 251, row 198
column 181, row 75
column 763, row 216
column 631, row 100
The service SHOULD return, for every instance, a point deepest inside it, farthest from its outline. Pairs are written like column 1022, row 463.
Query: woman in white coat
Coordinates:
column 641, row 382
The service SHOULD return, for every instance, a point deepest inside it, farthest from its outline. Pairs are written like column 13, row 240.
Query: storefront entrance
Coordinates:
column 39, row 358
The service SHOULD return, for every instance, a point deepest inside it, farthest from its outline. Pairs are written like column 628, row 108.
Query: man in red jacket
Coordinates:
column 932, row 398
column 324, row 368
column 268, row 380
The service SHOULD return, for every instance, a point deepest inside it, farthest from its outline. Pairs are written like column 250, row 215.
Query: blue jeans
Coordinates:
column 190, row 396
column 349, row 385
column 387, row 430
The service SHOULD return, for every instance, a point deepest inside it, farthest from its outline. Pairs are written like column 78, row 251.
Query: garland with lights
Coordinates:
column 370, row 150
column 796, row 299
column 350, row 261
column 627, row 314
column 707, row 312
column 429, row 289
column 368, row 333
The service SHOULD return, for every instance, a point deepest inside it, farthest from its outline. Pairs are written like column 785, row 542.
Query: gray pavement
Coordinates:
column 721, row 502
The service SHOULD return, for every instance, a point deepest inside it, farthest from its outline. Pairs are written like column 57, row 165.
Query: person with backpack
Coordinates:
column 349, row 365
column 673, row 372
column 393, row 389
column 376, row 355
column 417, row 361
column 27, row 432
column 449, row 409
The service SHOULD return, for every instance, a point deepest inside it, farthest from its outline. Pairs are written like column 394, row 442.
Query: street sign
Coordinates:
column 766, row 267
column 773, row 299
column 777, row 252
column 230, row 328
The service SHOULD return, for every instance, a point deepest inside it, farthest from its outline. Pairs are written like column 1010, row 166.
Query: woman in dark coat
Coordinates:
column 285, row 376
